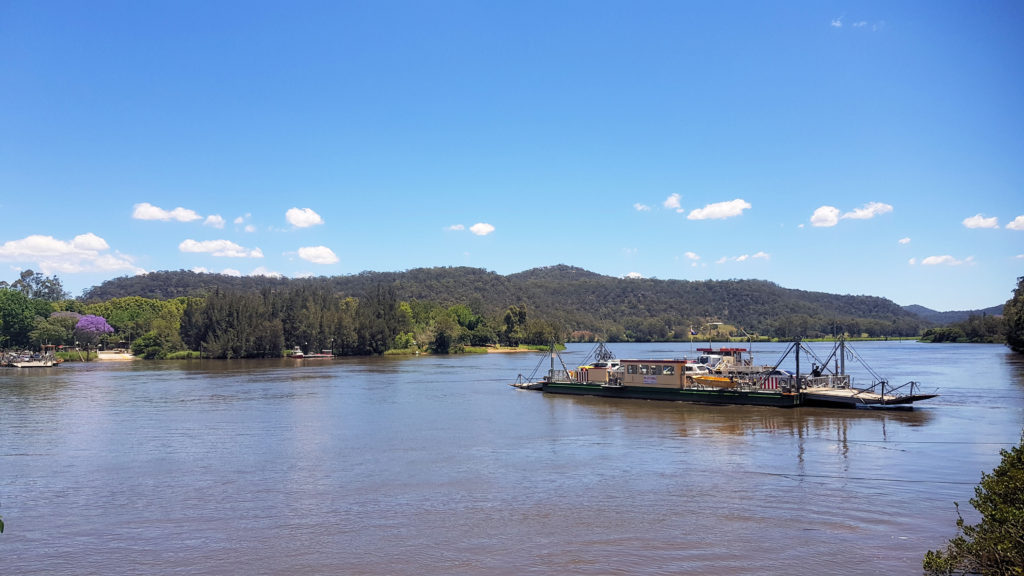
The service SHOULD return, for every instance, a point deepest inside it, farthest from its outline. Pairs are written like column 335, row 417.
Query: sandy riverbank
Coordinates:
column 118, row 355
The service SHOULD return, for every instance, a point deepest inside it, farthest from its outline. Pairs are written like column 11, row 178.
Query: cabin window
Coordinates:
column 631, row 369
column 668, row 370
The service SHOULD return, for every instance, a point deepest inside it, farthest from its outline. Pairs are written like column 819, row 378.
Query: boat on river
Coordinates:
column 676, row 379
column 737, row 382
column 27, row 359
column 298, row 354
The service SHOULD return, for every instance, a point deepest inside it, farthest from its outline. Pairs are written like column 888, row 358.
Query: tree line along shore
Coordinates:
column 449, row 310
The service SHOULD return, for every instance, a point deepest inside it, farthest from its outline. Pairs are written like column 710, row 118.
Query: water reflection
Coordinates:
column 415, row 466
column 697, row 420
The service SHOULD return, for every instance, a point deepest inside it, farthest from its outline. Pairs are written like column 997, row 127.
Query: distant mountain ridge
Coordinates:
column 583, row 300
column 949, row 317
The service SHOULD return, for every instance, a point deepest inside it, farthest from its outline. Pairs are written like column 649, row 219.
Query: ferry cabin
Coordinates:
column 677, row 380
column 654, row 373
column 650, row 373
column 728, row 360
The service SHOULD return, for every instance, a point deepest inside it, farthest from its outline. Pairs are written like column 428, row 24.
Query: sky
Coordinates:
column 871, row 148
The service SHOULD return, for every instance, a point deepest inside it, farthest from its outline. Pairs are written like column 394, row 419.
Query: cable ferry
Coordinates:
column 735, row 381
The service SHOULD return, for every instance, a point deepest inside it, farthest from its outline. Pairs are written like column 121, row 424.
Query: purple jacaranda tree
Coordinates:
column 90, row 328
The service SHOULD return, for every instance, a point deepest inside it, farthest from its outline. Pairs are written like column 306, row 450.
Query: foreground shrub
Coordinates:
column 996, row 544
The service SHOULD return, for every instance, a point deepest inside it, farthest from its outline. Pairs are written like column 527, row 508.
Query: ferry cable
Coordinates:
column 931, row 442
column 794, row 475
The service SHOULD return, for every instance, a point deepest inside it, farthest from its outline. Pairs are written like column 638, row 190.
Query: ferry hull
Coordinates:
column 714, row 396
column 34, row 364
column 863, row 401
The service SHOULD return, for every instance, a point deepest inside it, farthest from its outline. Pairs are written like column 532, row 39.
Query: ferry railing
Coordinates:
column 828, row 381
column 560, row 375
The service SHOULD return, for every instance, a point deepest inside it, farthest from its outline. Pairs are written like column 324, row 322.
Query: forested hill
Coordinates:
column 952, row 316
column 576, row 299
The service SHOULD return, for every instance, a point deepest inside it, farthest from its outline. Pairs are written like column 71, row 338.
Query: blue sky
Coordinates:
column 854, row 148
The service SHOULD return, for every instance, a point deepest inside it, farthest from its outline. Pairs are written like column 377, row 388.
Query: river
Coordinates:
column 434, row 465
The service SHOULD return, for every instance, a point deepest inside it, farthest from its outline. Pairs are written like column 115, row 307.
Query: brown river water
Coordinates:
column 434, row 465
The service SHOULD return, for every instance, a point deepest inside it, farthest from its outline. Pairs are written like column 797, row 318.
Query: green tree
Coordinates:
column 35, row 285
column 996, row 544
column 149, row 346
column 55, row 330
column 1013, row 312
column 380, row 319
column 515, row 323
column 446, row 332
column 17, row 318
column 482, row 335
column 539, row 332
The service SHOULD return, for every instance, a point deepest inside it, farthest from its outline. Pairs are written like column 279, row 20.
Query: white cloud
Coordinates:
column 860, row 24
column 641, row 207
column 837, row 22
column 1017, row 224
column 250, row 228
column 979, row 221
column 870, row 210
column 262, row 271
column 456, row 227
column 302, row 217
column 242, row 219
column 912, row 261
column 828, row 216
column 84, row 253
column 222, row 248
column 318, row 254
column 89, row 242
column 945, row 260
column 744, row 258
column 146, row 211
column 634, row 275
column 227, row 271
column 214, row 220
column 719, row 210
column 672, row 203
column 905, row 240
column 825, row 216
column 692, row 256
column 481, row 229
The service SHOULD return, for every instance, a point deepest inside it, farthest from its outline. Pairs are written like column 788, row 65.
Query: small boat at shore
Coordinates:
column 27, row 359
column 298, row 354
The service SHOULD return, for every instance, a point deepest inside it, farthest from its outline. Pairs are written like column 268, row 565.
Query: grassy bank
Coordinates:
column 77, row 355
